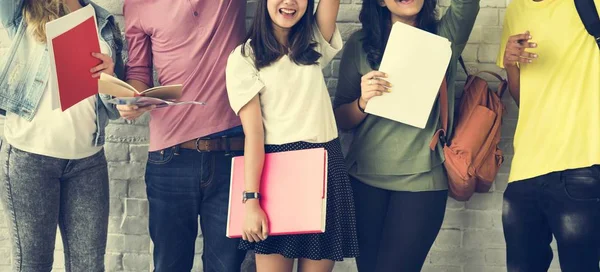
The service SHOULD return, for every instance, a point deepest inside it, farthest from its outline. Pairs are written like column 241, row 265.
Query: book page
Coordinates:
column 416, row 62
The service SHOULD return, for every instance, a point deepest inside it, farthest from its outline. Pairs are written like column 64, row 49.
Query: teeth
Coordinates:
column 288, row 11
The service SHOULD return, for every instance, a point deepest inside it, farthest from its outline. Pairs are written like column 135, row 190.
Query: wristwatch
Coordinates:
column 249, row 195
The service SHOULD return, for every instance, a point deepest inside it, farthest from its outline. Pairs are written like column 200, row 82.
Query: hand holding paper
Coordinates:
column 70, row 78
column 107, row 66
column 373, row 84
column 415, row 62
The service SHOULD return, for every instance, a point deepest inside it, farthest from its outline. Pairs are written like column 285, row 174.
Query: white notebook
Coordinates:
column 416, row 62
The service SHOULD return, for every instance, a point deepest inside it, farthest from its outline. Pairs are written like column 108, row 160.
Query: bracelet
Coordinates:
column 358, row 104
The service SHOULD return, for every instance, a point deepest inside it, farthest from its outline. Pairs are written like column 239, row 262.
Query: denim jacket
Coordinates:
column 24, row 70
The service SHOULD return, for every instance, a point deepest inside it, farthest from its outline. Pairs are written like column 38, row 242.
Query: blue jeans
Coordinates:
column 182, row 184
column 563, row 204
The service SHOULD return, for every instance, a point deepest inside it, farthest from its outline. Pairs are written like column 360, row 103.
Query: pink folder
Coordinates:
column 293, row 192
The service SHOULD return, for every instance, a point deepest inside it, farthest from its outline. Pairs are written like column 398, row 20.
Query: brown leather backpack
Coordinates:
column 472, row 155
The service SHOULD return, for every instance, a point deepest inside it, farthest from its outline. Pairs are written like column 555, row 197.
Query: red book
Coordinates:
column 293, row 192
column 71, row 41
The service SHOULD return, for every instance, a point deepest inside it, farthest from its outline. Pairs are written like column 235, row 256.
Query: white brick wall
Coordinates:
column 471, row 238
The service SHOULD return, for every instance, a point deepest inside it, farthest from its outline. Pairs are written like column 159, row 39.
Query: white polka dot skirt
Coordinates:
column 339, row 239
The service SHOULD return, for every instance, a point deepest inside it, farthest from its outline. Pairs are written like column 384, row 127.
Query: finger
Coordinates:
column 256, row 237
column 520, row 37
column 127, row 108
column 527, row 55
column 100, row 56
column 373, row 94
column 379, row 81
column 378, row 88
column 249, row 237
column 373, row 74
column 99, row 68
column 530, row 45
column 265, row 229
column 147, row 108
column 96, row 75
column 244, row 237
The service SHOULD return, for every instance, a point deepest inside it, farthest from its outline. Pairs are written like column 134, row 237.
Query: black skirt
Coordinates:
column 339, row 240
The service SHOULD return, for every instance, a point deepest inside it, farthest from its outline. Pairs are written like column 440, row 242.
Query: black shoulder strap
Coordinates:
column 462, row 63
column 589, row 16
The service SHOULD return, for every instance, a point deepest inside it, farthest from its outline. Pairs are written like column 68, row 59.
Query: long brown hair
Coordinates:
column 38, row 12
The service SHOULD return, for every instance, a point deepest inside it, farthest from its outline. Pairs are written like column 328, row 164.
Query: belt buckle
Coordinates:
column 198, row 145
column 227, row 145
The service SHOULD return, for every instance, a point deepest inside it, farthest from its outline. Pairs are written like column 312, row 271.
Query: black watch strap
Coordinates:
column 250, row 195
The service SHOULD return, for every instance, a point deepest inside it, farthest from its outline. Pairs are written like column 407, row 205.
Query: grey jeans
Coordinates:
column 39, row 193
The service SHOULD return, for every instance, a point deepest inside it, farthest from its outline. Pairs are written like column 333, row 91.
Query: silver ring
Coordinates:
column 370, row 81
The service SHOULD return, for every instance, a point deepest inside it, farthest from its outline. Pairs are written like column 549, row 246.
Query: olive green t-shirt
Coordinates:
column 388, row 154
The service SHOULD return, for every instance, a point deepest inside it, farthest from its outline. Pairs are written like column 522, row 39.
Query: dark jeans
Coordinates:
column 182, row 184
column 396, row 229
column 564, row 204
column 42, row 192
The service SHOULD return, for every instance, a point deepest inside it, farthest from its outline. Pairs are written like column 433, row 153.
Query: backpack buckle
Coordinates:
column 443, row 139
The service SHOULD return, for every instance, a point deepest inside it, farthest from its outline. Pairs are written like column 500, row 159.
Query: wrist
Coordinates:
column 361, row 104
column 250, row 195
column 252, row 204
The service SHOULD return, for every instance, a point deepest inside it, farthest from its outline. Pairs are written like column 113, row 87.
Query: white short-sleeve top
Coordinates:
column 295, row 103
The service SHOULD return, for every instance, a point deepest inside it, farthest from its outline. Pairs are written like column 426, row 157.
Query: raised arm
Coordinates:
column 326, row 15
column 457, row 23
column 10, row 11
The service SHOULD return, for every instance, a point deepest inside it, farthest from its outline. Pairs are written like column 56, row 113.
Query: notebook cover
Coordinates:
column 293, row 192
column 72, row 57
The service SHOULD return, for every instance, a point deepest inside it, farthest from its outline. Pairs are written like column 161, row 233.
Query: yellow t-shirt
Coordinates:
column 559, row 115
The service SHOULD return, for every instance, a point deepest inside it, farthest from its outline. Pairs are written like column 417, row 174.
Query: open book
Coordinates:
column 125, row 94
column 113, row 86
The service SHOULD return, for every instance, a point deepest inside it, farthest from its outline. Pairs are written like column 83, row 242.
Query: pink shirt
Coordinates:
column 187, row 42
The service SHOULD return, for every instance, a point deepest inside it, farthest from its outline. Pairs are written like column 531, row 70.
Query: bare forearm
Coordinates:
column 254, row 154
column 326, row 15
column 514, row 85
column 349, row 116
column 254, row 146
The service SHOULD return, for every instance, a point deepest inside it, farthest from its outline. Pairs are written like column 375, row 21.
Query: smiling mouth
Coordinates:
column 287, row 12
column 404, row 1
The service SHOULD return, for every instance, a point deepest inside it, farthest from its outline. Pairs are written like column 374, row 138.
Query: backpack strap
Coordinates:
column 462, row 64
column 440, row 134
column 589, row 16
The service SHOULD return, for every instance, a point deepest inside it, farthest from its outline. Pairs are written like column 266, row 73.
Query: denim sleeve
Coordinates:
column 10, row 12
column 117, row 55
column 111, row 109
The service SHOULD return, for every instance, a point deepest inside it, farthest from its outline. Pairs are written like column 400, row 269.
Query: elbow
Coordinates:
column 141, row 74
column 342, row 120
